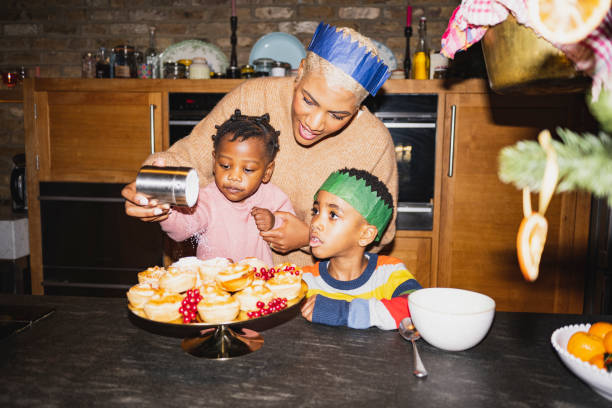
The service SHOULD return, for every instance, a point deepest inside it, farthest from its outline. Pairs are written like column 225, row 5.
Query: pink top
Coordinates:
column 226, row 229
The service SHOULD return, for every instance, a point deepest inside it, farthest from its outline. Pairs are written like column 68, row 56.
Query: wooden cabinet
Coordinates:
column 480, row 215
column 96, row 136
column 415, row 252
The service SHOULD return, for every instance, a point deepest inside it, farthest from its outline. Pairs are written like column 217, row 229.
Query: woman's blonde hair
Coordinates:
column 335, row 76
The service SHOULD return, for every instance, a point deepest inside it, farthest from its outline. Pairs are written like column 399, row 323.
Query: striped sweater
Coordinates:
column 379, row 297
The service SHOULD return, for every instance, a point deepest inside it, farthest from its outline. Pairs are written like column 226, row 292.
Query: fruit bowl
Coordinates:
column 598, row 379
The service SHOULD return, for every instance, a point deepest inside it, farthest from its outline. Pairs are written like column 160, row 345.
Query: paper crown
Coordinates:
column 366, row 201
column 337, row 48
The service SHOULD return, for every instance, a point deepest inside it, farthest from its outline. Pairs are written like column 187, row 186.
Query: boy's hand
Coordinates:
column 264, row 219
column 308, row 307
column 292, row 234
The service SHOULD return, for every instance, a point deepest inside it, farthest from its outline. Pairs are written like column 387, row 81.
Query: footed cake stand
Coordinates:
column 221, row 341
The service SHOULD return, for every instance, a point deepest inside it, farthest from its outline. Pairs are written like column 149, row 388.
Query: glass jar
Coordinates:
column 174, row 70
column 187, row 63
column 199, row 69
column 278, row 69
column 247, row 71
column 88, row 65
column 263, row 66
column 125, row 62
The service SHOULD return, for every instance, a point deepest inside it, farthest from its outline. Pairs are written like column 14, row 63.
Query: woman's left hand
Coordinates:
column 292, row 234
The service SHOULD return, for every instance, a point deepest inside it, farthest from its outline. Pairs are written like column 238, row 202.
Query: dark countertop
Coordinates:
column 88, row 353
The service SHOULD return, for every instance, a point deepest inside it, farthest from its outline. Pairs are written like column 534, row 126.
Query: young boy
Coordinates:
column 231, row 211
column 352, row 287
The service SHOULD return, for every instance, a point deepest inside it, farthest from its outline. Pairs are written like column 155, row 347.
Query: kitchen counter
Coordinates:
column 88, row 353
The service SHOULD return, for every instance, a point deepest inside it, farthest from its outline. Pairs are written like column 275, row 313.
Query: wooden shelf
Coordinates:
column 14, row 95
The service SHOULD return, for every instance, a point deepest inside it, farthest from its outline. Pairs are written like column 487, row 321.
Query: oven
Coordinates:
column 411, row 120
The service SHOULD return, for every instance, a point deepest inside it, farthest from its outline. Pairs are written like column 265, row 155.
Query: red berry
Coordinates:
column 260, row 304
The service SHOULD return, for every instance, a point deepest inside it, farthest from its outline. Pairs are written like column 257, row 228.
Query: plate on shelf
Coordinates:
column 279, row 46
column 190, row 49
column 386, row 54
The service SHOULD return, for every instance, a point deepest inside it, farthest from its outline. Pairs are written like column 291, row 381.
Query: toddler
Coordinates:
column 231, row 211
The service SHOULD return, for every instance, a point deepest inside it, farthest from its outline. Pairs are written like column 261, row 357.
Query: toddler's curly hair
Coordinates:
column 242, row 127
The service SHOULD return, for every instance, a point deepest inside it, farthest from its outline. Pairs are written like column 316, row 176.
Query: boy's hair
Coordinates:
column 364, row 192
column 243, row 127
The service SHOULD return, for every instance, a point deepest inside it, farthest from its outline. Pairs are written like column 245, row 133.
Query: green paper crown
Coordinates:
column 361, row 196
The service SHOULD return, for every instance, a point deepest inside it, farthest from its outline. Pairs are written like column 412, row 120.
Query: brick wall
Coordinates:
column 53, row 34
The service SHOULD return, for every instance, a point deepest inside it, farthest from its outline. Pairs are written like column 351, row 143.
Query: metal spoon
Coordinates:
column 409, row 332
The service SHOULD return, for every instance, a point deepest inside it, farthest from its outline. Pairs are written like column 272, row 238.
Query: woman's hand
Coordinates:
column 139, row 206
column 292, row 234
column 264, row 219
column 308, row 307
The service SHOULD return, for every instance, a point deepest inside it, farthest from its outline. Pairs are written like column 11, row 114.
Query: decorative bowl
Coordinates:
column 451, row 319
column 598, row 379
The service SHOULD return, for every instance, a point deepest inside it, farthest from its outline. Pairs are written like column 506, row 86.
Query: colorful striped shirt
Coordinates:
column 379, row 297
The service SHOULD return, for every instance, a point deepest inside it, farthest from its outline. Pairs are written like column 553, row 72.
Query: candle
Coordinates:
column 233, row 8
column 408, row 16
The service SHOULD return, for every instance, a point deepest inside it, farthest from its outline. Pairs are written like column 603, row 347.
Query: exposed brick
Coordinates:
column 129, row 29
column 20, row 57
column 369, row 13
column 125, row 4
column 61, row 57
column 95, row 29
column 295, row 28
column 61, row 28
column 21, row 29
column 96, row 3
column 171, row 29
column 319, row 12
column 71, row 71
column 75, row 15
column 153, row 15
column 107, row 15
column 226, row 3
column 272, row 13
column 15, row 43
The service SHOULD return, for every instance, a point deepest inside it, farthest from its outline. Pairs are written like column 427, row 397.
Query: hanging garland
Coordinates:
column 585, row 163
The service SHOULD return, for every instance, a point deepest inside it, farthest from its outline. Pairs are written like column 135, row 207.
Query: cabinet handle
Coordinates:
column 152, row 120
column 451, row 150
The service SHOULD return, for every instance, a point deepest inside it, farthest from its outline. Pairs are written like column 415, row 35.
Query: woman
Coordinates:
column 323, row 128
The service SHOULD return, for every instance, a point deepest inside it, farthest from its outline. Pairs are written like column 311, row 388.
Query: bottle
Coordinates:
column 102, row 64
column 152, row 57
column 88, row 65
column 420, row 61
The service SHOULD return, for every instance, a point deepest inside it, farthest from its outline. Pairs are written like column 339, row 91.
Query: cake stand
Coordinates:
column 221, row 341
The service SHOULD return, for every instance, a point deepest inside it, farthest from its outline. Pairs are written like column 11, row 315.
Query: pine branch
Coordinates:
column 585, row 163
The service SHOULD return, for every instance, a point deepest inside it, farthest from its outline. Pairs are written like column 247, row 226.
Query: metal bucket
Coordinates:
column 518, row 61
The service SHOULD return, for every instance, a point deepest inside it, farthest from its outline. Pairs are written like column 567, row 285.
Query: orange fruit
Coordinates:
column 585, row 346
column 600, row 329
column 607, row 342
column 598, row 360
column 566, row 22
column 530, row 244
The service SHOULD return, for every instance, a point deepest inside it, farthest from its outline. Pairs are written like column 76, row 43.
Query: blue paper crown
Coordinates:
column 337, row 48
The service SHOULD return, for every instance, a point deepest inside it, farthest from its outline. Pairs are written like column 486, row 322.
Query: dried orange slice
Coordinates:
column 530, row 244
column 566, row 21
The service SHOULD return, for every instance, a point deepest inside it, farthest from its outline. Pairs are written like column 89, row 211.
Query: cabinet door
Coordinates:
column 480, row 215
column 415, row 252
column 96, row 136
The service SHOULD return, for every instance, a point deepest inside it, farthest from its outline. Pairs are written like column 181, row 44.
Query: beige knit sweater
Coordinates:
column 364, row 144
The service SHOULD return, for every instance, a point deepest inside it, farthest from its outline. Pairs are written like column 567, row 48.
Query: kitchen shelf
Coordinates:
column 14, row 95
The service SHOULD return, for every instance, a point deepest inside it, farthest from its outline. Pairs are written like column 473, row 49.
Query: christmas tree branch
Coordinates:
column 585, row 163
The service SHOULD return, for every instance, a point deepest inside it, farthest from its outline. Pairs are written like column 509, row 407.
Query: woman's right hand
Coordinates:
column 139, row 206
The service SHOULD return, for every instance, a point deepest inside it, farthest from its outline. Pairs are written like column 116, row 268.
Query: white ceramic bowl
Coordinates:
column 600, row 380
column 451, row 319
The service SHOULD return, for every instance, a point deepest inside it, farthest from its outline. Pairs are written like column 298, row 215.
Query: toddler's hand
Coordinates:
column 308, row 307
column 264, row 219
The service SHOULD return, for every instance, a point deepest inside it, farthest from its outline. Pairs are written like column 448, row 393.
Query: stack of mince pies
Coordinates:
column 215, row 290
